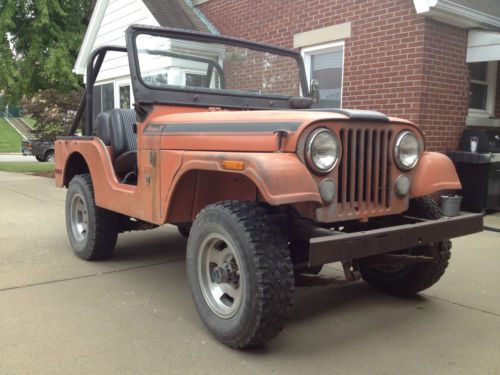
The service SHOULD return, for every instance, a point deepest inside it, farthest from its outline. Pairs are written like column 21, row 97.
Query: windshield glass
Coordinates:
column 169, row 63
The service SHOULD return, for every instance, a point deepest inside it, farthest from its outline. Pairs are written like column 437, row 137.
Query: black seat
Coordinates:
column 123, row 140
column 104, row 128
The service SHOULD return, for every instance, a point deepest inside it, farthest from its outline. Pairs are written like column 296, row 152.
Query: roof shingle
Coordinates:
column 175, row 13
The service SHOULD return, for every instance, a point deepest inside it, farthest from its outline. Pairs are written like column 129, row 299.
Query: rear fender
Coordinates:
column 435, row 172
column 280, row 178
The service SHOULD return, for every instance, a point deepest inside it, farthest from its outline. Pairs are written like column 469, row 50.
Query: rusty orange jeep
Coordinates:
column 227, row 142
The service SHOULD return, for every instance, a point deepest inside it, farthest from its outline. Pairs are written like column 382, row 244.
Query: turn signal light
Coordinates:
column 233, row 165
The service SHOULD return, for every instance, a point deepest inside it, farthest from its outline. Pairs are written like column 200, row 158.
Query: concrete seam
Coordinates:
column 88, row 276
column 461, row 305
column 30, row 196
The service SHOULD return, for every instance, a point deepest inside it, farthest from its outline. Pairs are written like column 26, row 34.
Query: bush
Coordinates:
column 53, row 112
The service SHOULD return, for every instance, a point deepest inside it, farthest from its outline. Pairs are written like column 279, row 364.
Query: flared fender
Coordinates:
column 281, row 178
column 108, row 192
column 435, row 172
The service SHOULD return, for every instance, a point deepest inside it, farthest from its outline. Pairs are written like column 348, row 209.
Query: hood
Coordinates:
column 250, row 131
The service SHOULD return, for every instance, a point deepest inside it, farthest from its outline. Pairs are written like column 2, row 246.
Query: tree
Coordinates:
column 53, row 111
column 39, row 42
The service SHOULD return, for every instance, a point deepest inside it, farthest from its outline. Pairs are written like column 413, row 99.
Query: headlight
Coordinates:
column 322, row 150
column 406, row 150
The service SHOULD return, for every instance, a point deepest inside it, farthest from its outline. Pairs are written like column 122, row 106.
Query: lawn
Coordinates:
column 10, row 140
column 26, row 167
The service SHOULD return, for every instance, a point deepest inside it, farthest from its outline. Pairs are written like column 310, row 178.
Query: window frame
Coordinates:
column 307, row 53
column 491, row 82
column 103, row 83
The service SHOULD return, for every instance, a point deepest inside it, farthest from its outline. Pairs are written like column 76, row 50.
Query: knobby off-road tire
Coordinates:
column 184, row 229
column 411, row 279
column 260, row 289
column 92, row 230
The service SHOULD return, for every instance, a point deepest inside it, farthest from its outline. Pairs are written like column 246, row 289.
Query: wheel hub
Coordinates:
column 219, row 275
column 79, row 218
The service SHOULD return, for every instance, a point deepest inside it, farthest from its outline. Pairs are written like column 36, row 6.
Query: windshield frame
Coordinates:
column 145, row 94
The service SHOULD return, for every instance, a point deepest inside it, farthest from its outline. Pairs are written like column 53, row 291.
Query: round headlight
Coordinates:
column 406, row 150
column 322, row 151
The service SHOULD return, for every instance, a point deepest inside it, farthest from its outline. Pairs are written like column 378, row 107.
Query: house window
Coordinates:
column 103, row 98
column 124, row 92
column 325, row 64
column 483, row 76
column 196, row 80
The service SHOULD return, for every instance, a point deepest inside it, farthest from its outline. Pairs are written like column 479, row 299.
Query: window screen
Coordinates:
column 326, row 67
column 103, row 98
column 478, row 94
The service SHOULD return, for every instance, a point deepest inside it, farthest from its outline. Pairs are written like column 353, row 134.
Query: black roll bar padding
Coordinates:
column 93, row 68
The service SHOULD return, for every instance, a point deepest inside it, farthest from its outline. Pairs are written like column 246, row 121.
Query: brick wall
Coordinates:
column 395, row 61
column 497, row 97
column 249, row 70
column 445, row 94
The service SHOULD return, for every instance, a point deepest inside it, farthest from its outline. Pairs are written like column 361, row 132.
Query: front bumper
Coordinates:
column 345, row 246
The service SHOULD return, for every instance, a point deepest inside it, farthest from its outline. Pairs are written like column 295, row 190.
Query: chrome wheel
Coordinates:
column 220, row 275
column 79, row 218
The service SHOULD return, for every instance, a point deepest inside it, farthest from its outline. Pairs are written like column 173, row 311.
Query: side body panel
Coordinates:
column 135, row 201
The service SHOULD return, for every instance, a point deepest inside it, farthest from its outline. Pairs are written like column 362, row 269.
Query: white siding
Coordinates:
column 118, row 16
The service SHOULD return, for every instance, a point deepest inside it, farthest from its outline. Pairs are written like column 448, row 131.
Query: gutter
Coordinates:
column 449, row 12
column 211, row 27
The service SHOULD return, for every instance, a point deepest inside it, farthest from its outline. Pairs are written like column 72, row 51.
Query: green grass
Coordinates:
column 30, row 120
column 10, row 140
column 26, row 167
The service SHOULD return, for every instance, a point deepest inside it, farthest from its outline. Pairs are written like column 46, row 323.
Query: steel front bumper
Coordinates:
column 344, row 246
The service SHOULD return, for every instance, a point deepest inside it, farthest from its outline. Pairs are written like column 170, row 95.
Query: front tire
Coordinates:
column 92, row 230
column 411, row 279
column 184, row 229
column 40, row 159
column 240, row 273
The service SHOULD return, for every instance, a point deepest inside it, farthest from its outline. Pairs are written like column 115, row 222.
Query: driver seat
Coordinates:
column 123, row 141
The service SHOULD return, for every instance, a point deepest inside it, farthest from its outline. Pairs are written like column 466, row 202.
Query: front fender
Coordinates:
column 280, row 177
column 435, row 172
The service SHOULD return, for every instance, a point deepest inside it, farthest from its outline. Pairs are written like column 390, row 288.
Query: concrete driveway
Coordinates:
column 16, row 158
column 133, row 313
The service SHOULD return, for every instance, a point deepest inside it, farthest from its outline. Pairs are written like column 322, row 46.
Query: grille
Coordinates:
column 364, row 171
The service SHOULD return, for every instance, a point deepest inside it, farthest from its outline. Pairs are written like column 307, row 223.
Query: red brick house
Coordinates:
column 431, row 61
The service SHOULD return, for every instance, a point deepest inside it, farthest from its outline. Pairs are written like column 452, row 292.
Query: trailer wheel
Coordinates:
column 240, row 273
column 411, row 279
column 92, row 230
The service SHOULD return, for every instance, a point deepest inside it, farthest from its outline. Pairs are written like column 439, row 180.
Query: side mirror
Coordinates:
column 314, row 91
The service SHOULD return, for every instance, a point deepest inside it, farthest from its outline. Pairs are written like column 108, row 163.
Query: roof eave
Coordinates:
column 90, row 35
column 449, row 12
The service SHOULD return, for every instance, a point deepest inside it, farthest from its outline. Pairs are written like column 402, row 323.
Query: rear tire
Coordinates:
column 92, row 230
column 411, row 279
column 49, row 156
column 240, row 273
